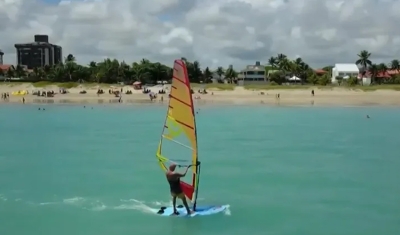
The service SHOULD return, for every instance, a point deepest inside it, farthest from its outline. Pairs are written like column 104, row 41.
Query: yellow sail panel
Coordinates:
column 181, row 108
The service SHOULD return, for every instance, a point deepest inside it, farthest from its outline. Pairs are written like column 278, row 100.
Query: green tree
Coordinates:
column 313, row 79
column 363, row 59
column 352, row 81
column 395, row 65
column 19, row 72
column 339, row 80
column 220, row 71
column 231, row 74
column 324, row 80
column 207, row 74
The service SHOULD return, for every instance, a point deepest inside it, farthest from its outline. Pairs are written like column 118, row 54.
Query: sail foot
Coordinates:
column 188, row 190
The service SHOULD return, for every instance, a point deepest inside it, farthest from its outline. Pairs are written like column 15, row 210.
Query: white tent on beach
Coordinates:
column 294, row 79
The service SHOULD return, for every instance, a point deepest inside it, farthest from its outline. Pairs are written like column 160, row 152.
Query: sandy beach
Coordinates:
column 239, row 96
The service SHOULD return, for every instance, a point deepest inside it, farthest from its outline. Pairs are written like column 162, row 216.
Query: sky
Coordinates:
column 213, row 32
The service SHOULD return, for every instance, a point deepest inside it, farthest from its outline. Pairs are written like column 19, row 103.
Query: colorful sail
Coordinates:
column 178, row 142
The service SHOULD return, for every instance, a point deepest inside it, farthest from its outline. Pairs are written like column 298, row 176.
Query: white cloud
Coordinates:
column 215, row 32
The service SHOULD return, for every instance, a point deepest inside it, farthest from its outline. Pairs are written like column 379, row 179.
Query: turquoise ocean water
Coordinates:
column 71, row 170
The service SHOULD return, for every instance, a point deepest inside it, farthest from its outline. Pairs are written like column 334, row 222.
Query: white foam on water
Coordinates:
column 84, row 203
column 161, row 203
column 3, row 198
column 133, row 204
column 48, row 203
column 98, row 206
column 227, row 211
column 74, row 200
column 131, row 200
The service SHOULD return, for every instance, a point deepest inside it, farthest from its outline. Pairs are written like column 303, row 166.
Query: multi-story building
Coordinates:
column 38, row 53
column 252, row 74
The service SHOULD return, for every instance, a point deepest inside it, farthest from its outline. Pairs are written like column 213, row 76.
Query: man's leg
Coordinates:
column 186, row 204
column 174, row 204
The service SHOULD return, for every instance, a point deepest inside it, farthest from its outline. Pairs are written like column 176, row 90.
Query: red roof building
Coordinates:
column 6, row 67
column 320, row 71
column 385, row 75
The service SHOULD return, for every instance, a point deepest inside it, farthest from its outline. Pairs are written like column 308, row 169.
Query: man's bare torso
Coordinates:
column 171, row 176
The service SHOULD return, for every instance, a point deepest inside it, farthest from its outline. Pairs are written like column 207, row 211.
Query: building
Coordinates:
column 345, row 71
column 38, row 53
column 252, row 74
column 320, row 72
column 3, row 71
column 1, row 57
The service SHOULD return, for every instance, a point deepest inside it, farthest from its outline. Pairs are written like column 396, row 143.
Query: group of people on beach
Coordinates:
column 5, row 96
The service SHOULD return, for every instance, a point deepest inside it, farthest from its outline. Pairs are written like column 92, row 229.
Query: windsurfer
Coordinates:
column 175, row 186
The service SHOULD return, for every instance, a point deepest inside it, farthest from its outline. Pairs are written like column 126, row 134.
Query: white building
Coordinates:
column 252, row 74
column 345, row 71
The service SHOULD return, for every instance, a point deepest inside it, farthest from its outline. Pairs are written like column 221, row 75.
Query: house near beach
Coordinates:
column 252, row 74
column 5, row 67
column 345, row 71
column 380, row 76
column 3, row 71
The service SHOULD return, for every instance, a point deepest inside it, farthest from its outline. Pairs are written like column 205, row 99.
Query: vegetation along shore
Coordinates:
column 72, row 82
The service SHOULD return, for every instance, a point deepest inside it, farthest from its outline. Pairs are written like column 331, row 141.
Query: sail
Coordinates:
column 178, row 143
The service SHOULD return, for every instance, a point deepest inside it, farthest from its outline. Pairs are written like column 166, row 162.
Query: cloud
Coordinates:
column 214, row 32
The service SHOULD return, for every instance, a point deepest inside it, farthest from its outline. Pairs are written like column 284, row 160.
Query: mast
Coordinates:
column 197, row 185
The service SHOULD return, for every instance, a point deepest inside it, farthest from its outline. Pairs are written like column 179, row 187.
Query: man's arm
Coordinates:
column 180, row 174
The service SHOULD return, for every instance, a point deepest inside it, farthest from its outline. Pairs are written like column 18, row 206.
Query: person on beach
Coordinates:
column 175, row 187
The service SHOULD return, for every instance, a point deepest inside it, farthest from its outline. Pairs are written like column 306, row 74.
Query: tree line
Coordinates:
column 279, row 68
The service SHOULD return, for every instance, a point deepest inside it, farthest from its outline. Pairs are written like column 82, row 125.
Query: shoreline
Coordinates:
column 239, row 96
column 136, row 102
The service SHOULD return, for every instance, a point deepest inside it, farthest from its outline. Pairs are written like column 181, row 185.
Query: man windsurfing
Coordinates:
column 174, row 180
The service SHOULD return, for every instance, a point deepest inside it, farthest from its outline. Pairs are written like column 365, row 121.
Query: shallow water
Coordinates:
column 283, row 170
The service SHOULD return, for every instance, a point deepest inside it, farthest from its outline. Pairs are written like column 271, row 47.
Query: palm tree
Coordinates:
column 395, row 65
column 10, row 73
column 140, row 73
column 207, row 74
column 19, row 72
column 220, row 71
column 364, row 61
column 157, row 71
column 195, row 72
column 70, row 58
column 281, row 57
column 230, row 74
column 382, row 68
column 273, row 61
column 374, row 70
